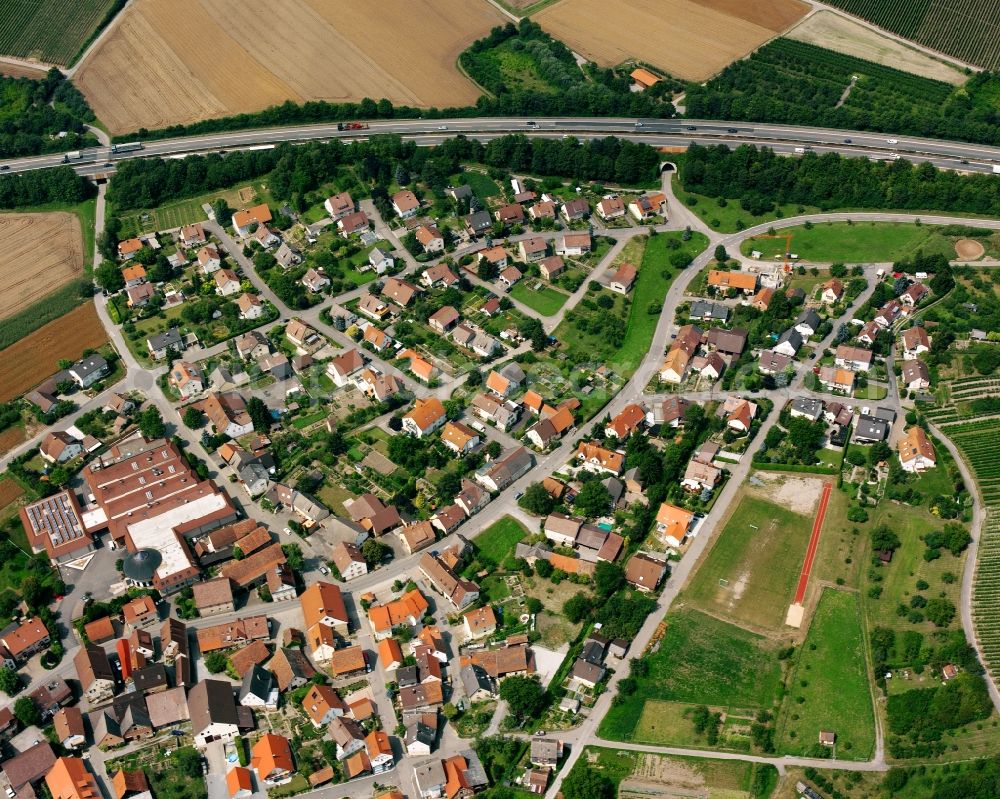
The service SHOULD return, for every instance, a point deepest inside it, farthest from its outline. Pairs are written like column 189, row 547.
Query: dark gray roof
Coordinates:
column 170, row 338
column 590, row 672
column 885, row 414
column 807, row 405
column 142, row 565
column 89, row 365
column 480, row 220
column 474, row 678
column 211, row 702
column 869, row 428
column 809, row 317
column 703, row 309
column 150, row 677
column 407, row 676
column 792, row 336
column 257, row 682
column 460, row 192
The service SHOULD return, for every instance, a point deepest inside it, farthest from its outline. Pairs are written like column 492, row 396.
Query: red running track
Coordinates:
column 824, row 500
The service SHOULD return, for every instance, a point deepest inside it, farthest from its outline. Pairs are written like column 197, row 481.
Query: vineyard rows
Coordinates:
column 49, row 30
column 980, row 441
column 966, row 29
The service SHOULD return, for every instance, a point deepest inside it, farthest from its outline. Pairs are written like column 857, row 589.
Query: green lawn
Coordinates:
column 546, row 300
column 183, row 212
column 839, row 241
column 724, row 218
column 758, row 556
column 701, row 660
column 829, row 688
column 483, row 186
column 497, row 541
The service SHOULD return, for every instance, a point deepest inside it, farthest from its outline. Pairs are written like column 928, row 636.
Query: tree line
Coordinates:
column 761, row 180
column 42, row 186
column 42, row 116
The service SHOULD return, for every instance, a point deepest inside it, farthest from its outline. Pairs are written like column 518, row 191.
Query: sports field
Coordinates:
column 52, row 31
column 689, row 40
column 180, row 61
column 41, row 252
column 750, row 573
column 828, row 689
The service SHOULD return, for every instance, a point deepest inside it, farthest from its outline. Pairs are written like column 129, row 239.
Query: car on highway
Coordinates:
column 732, row 130
column 442, row 127
column 847, row 141
column 108, row 164
column 540, row 733
column 692, row 127
column 638, row 124
column 531, row 124
column 892, row 141
column 4, row 167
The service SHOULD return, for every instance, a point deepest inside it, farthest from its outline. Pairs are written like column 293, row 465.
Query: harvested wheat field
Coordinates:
column 690, row 40
column 180, row 61
column 41, row 252
column 845, row 35
column 28, row 362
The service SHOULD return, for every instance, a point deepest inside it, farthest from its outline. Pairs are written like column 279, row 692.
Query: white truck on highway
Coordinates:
column 996, row 169
column 72, row 155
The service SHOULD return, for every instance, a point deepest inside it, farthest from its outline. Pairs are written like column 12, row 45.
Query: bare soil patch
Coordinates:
column 844, row 35
column 9, row 439
column 969, row 249
column 180, row 61
column 41, row 252
column 798, row 494
column 9, row 492
column 32, row 359
column 690, row 40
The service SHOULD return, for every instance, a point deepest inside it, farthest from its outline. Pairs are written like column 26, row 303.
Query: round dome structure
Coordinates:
column 139, row 567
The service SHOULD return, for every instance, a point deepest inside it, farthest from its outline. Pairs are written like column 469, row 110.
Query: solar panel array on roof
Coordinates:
column 57, row 517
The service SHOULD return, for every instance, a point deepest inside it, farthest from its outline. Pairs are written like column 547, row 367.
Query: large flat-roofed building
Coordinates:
column 150, row 499
column 55, row 526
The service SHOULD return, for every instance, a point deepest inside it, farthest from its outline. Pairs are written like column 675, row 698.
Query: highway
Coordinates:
column 656, row 132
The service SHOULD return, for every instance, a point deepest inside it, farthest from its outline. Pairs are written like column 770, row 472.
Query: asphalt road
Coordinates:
column 660, row 133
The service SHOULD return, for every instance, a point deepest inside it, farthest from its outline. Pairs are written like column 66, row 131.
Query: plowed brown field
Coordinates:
column 40, row 253
column 180, row 61
column 688, row 39
column 28, row 362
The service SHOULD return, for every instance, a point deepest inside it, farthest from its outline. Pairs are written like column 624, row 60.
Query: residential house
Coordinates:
column 253, row 346
column 347, row 557
column 209, row 259
column 458, row 591
column 415, row 537
column 597, row 459
column 551, row 267
column 623, row 279
column 508, row 467
column 339, row 205
column 807, row 408
column 250, row 306
column 739, row 414
column 545, row 209
column 808, row 323
column 836, row 379
column 438, row 276
column 259, row 688
column 478, row 223
column 186, row 379
column 380, row 260
column 630, row 420
column 374, row 517
column 69, row 728
column 471, row 498
column 532, row 250
column 89, row 370
column 377, row 338
column 459, row 438
column 323, row 604
column 789, row 343
column 645, row 572
column 93, row 670
column 399, row 291
column 705, row 310
column 226, row 283
column 762, row 299
column 575, row 209
column 700, row 476
column 227, row 414
column 673, row 524
column 587, row 675
column 833, row 291
column 271, row 758
column 315, row 281
column 265, row 237
column 59, row 446
column 127, row 249
column 427, row 415
column 772, row 363
column 648, row 206
column 870, row 429
column 161, row 342
column 510, row 276
column 573, row 244
column 561, row 529
column 214, row 596
column 356, row 222
column 430, row 238
column 322, row 704
column 611, row 207
column 869, row 333
column 291, row 668
column 723, row 280
column 727, row 342
column 668, row 413
column 480, row 623
column 69, row 779
column 444, row 319
column 857, row 359
column 916, row 453
column 675, row 366
column 405, row 204
column 193, row 235
column 512, row 214
column 914, row 295
column 915, row 341
column 915, row 376
column 550, row 428
column 302, row 336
